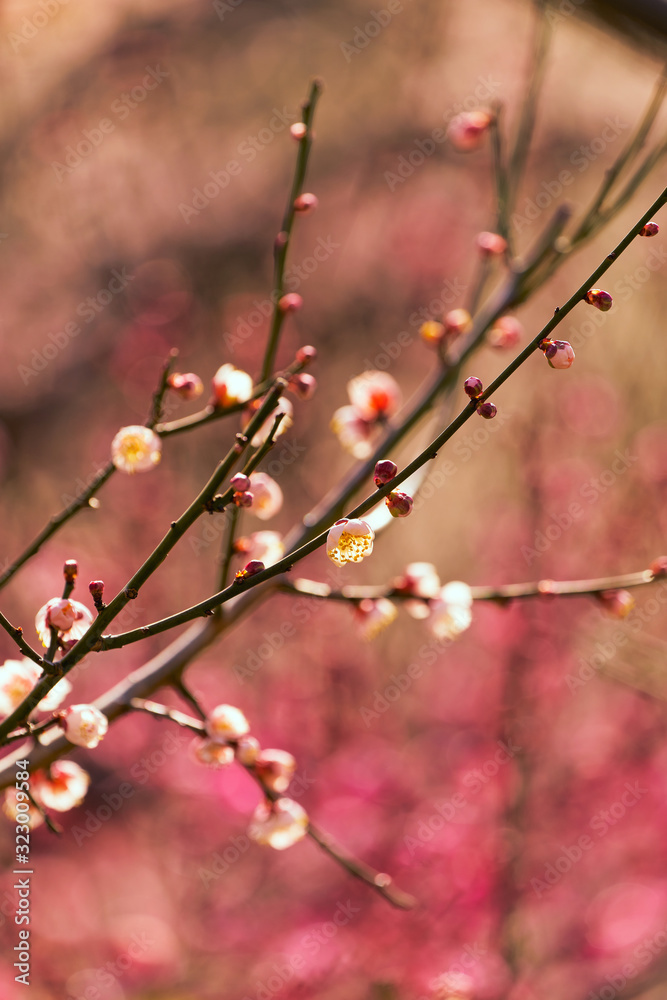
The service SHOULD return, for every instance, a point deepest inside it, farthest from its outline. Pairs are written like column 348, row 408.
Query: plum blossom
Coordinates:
column 616, row 603
column 283, row 406
column 211, row 754
column 374, row 394
column 63, row 787
column 278, row 824
column 226, row 723
column 421, row 580
column 247, row 750
column 353, row 431
column 18, row 678
column 231, row 385
column 349, row 540
column 84, row 725
column 275, row 768
column 466, row 131
column 136, row 449
column 10, row 807
column 451, row 611
column 69, row 617
column 267, row 496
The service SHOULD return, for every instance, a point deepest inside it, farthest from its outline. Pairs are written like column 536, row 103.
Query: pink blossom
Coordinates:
column 278, row 824
column 451, row 611
column 262, row 546
column 267, row 496
column 211, row 753
column 349, row 540
column 63, row 787
column 226, row 723
column 136, row 449
column 275, row 768
column 70, row 618
column 353, row 431
column 231, row 385
column 374, row 394
column 84, row 725
column 466, row 131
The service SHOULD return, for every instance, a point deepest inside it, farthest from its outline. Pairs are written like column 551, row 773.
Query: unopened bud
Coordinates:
column 298, row 130
column 243, row 499
column 251, row 569
column 302, row 385
column 70, row 570
column 240, row 482
column 659, row 566
column 188, row 386
column 617, row 603
column 473, row 387
column 487, row 410
column 599, row 298
column 457, row 321
column 650, row 229
column 305, row 203
column 491, row 244
column 431, row 332
column 399, row 504
column 384, row 472
column 558, row 353
column 290, row 302
column 306, row 354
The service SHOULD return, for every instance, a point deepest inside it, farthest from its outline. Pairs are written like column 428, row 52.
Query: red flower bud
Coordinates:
column 306, row 354
column 473, row 387
column 302, row 385
column 384, row 472
column 399, row 504
column 290, row 302
column 599, row 298
column 298, row 130
column 487, row 410
column 650, row 229
column 305, row 203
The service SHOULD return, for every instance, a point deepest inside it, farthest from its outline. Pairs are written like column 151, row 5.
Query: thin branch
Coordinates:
column 282, row 240
column 17, row 635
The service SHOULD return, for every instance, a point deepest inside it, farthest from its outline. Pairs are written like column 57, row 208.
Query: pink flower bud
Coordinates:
column 617, row 603
column 188, row 386
column 70, row 618
column 384, row 472
column 399, row 504
column 251, row 568
column 247, row 749
column 278, row 824
column 558, row 353
column 599, row 298
column 211, row 754
column 298, row 130
column 466, row 131
column 302, row 385
column 305, row 203
column 650, row 229
column 275, row 769
column 96, row 588
column 457, row 321
column 243, row 499
column 84, row 725
column 431, row 332
column 306, row 354
column 473, row 387
column 491, row 244
column 505, row 332
column 487, row 410
column 659, row 566
column 291, row 302
column 240, row 482
column 226, row 723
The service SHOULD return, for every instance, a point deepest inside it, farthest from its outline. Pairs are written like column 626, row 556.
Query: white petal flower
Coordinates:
column 349, row 540
column 267, row 496
column 17, row 679
column 84, row 725
column 64, row 788
column 231, row 385
column 278, row 824
column 225, row 723
column 283, row 406
column 374, row 394
column 275, row 768
column 451, row 612
column 212, row 754
column 136, row 449
column 71, row 618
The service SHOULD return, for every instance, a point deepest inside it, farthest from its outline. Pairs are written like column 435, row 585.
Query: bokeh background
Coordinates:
column 167, row 899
